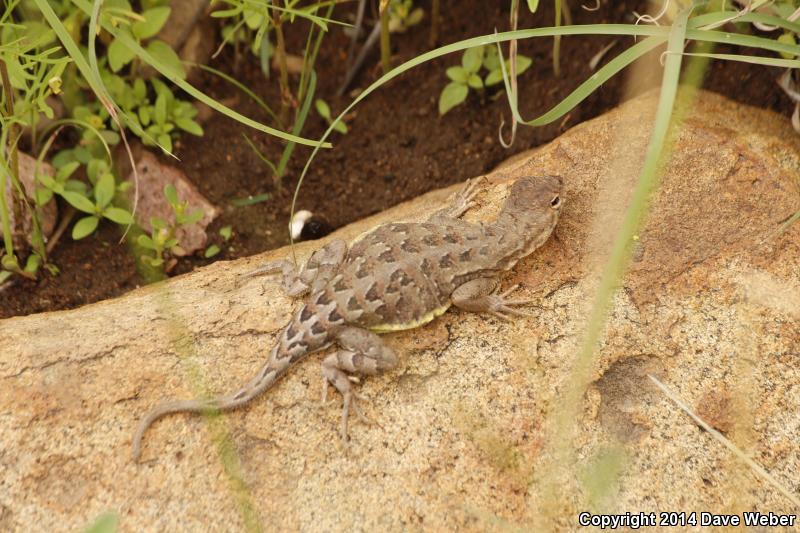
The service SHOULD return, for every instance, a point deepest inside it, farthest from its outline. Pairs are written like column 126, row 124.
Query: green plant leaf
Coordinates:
column 119, row 55
column 523, row 63
column 253, row 19
column 473, row 58
column 157, row 223
column 494, row 77
column 226, row 232
column 95, row 168
column 84, row 227
column 189, row 126
column 211, row 251
column 154, row 20
column 165, row 141
column 415, row 17
column 341, row 127
column 787, row 38
column 475, row 81
column 82, row 154
column 146, row 242
column 533, row 5
column 43, row 196
column 491, row 59
column 194, row 217
column 118, row 215
column 33, row 263
column 74, row 186
column 10, row 262
column 79, row 201
column 46, row 180
column 453, row 94
column 459, row 74
column 171, row 194
column 145, row 113
column 165, row 55
column 66, row 171
column 104, row 190
column 323, row 109
column 251, row 200
column 160, row 109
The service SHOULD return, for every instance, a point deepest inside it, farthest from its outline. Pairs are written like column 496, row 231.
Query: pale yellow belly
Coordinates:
column 424, row 319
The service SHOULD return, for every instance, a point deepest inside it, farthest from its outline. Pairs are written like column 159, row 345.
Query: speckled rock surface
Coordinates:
column 466, row 436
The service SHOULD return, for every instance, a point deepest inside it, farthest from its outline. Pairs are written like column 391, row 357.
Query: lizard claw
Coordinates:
column 351, row 403
column 500, row 307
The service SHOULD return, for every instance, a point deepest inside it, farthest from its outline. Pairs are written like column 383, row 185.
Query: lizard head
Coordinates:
column 537, row 197
column 532, row 210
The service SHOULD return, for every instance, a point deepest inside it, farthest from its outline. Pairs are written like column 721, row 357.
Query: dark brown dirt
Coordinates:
column 398, row 146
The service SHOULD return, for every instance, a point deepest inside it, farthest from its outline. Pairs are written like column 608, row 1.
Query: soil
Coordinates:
column 398, row 146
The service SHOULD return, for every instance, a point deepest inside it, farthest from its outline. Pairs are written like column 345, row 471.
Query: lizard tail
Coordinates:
column 269, row 373
column 298, row 339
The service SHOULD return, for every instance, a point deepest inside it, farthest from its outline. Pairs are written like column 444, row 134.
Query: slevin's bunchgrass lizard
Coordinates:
column 398, row 276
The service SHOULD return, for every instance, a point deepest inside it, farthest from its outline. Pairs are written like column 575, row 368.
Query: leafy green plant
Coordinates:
column 467, row 75
column 94, row 202
column 325, row 112
column 162, row 239
column 30, row 71
column 139, row 27
column 403, row 15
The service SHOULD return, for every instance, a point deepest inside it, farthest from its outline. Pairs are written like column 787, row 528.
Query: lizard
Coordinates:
column 395, row 277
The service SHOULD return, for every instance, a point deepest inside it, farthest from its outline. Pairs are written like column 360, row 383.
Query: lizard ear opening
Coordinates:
column 555, row 203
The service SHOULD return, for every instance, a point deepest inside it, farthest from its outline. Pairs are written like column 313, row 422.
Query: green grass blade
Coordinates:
column 71, row 47
column 594, row 29
column 298, row 123
column 261, row 156
column 586, row 88
column 618, row 261
column 251, row 200
column 634, row 216
column 738, row 39
column 754, row 17
column 187, row 87
column 755, row 60
column 239, row 85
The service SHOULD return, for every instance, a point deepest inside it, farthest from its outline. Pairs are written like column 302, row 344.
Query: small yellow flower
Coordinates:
column 55, row 84
column 96, row 121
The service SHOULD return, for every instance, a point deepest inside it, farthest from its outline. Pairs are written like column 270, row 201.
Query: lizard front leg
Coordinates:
column 320, row 268
column 483, row 295
column 363, row 352
column 461, row 201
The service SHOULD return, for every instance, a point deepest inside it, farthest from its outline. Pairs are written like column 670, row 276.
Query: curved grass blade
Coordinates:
column 618, row 260
column 239, row 85
column 755, row 60
column 595, row 29
column 738, row 39
column 586, row 88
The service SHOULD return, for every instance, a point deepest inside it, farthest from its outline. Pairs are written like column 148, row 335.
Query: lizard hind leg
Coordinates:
column 320, row 268
column 364, row 353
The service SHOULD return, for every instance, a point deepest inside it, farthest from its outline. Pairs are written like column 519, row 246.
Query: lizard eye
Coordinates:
column 555, row 203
